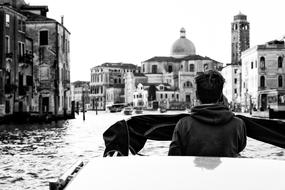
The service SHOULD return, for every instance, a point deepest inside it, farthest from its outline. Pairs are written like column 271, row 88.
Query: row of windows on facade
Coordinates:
column 96, row 89
column 170, row 68
column 99, row 78
column 43, row 39
column 115, row 70
column 136, row 96
column 280, row 81
column 263, row 63
column 21, row 23
column 21, row 45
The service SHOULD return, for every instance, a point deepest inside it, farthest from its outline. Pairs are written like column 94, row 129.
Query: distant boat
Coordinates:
column 163, row 110
column 138, row 110
column 128, row 111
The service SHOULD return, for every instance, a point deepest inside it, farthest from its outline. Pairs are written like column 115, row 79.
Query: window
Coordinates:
column 235, row 71
column 154, row 68
column 21, row 48
column 262, row 63
column 262, row 81
column 161, row 96
column 206, row 67
column 235, row 91
column 177, row 96
column 280, row 81
column 7, row 44
column 170, row 68
column 7, row 20
column 165, row 95
column 43, row 37
column 235, row 80
column 21, row 25
column 280, row 61
column 192, row 67
column 252, row 65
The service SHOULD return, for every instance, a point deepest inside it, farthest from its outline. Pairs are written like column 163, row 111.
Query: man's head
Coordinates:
column 209, row 86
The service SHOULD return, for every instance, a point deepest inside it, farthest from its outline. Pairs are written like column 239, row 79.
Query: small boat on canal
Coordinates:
column 122, row 166
column 128, row 110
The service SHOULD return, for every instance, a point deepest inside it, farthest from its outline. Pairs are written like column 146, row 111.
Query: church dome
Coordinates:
column 182, row 47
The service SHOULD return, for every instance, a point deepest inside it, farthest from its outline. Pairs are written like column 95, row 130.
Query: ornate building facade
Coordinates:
column 263, row 76
column 108, row 75
column 178, row 71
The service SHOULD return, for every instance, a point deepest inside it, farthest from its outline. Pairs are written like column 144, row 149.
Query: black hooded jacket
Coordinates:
column 211, row 130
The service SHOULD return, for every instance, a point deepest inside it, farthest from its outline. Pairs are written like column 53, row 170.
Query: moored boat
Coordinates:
column 128, row 110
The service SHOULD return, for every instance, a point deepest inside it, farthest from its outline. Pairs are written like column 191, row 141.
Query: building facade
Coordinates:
column 80, row 91
column 35, row 63
column 263, row 76
column 16, row 63
column 51, row 61
column 178, row 71
column 105, row 76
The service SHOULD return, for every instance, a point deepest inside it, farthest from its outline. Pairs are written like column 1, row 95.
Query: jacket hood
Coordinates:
column 212, row 114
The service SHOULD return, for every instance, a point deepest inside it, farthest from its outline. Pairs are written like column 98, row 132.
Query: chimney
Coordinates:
column 62, row 19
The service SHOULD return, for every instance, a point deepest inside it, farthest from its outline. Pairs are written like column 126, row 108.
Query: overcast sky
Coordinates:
column 132, row 31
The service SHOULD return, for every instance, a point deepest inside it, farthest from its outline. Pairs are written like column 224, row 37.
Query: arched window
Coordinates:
column 188, row 84
column 262, row 81
column 262, row 62
column 280, row 61
column 170, row 68
column 280, row 81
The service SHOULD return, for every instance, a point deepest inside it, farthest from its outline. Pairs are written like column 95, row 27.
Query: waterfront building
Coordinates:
column 81, row 94
column 16, row 63
column 105, row 76
column 263, row 76
column 240, row 41
column 140, row 96
column 178, row 71
column 132, row 80
column 34, row 68
column 115, row 95
column 51, row 61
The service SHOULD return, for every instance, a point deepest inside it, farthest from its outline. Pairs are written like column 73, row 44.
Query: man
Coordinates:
column 211, row 129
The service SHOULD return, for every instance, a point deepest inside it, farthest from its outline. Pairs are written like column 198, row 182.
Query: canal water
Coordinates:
column 33, row 155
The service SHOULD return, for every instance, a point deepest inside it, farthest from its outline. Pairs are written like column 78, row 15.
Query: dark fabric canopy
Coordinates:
column 133, row 133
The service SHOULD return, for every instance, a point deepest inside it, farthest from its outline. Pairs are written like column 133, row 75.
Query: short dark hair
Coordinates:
column 209, row 86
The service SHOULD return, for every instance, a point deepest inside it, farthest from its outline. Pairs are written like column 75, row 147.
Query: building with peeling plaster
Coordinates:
column 16, row 63
column 263, row 76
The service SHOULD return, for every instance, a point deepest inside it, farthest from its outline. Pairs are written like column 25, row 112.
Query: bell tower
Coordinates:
column 240, row 37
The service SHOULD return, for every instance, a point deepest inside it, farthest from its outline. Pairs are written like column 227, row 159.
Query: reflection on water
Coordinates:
column 33, row 155
column 207, row 163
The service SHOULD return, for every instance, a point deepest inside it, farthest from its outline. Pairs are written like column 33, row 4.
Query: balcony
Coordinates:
column 26, row 58
column 9, row 55
column 10, row 88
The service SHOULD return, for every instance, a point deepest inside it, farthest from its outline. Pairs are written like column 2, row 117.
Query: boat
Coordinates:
column 128, row 110
column 138, row 110
column 122, row 167
column 168, row 173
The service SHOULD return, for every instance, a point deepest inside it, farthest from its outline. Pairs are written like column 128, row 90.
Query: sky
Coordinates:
column 132, row 31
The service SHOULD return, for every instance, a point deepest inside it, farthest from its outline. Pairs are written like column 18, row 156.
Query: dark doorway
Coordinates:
column 45, row 107
column 7, row 107
column 263, row 102
column 188, row 98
